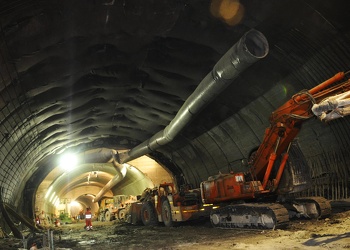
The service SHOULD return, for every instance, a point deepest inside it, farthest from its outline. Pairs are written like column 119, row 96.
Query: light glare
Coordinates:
column 48, row 192
column 74, row 203
column 68, row 161
column 53, row 195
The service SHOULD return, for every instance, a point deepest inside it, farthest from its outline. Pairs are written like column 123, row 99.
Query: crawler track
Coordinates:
column 310, row 207
column 251, row 215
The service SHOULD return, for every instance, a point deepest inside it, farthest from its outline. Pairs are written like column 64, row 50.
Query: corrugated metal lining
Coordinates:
column 330, row 174
column 17, row 134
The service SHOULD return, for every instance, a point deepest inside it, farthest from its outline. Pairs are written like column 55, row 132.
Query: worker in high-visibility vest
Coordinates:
column 88, row 217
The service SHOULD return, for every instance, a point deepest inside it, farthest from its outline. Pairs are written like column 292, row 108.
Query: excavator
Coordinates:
column 255, row 199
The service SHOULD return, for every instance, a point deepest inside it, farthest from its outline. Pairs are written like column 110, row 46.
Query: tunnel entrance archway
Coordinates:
column 60, row 188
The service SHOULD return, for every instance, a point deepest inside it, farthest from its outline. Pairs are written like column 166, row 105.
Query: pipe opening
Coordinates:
column 256, row 44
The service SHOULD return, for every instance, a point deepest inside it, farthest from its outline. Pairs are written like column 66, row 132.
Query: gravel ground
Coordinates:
column 332, row 233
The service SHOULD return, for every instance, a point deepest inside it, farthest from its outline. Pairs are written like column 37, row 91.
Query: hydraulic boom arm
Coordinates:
column 329, row 100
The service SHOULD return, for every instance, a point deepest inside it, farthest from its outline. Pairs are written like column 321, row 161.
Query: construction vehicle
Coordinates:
column 262, row 196
column 329, row 100
column 167, row 205
column 115, row 207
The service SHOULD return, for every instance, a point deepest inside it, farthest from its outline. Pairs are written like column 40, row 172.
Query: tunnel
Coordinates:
column 144, row 92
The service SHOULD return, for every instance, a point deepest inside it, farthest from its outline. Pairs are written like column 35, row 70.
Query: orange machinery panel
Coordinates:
column 225, row 187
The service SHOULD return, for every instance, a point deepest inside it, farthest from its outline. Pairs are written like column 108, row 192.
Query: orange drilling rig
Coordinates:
column 329, row 100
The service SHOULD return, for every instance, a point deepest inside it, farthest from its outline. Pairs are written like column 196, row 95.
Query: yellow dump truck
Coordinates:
column 114, row 208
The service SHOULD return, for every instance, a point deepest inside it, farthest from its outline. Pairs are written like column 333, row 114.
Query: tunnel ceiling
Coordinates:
column 82, row 75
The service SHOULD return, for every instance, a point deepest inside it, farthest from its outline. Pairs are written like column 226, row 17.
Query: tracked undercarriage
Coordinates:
column 269, row 215
column 252, row 215
column 308, row 207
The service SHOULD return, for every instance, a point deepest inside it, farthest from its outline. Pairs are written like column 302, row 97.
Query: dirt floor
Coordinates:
column 330, row 233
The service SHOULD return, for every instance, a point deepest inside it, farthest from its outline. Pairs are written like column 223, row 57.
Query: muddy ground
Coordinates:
column 330, row 233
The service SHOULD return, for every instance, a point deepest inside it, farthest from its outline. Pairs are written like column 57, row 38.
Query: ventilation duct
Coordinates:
column 122, row 170
column 248, row 50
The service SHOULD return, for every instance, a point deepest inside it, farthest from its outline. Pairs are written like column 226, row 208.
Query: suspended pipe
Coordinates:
column 122, row 170
column 248, row 50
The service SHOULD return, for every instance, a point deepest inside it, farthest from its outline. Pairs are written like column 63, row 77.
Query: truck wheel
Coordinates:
column 166, row 214
column 121, row 215
column 148, row 214
column 108, row 216
column 101, row 217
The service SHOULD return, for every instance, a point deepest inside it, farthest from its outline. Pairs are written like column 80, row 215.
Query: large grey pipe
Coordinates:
column 122, row 170
column 248, row 50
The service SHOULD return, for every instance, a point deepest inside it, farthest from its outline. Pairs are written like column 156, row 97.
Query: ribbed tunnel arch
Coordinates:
column 100, row 77
column 83, row 182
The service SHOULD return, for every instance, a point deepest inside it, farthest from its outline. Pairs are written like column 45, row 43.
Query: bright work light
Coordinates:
column 68, row 161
